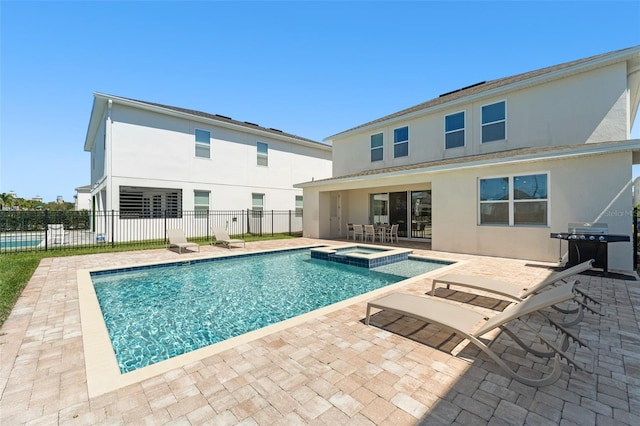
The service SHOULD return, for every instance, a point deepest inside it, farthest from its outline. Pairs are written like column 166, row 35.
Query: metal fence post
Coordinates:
column 46, row 226
column 635, row 238
column 289, row 222
column 113, row 229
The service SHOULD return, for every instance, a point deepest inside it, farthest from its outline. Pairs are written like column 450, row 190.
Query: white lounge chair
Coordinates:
column 512, row 291
column 177, row 239
column 222, row 237
column 465, row 322
column 55, row 233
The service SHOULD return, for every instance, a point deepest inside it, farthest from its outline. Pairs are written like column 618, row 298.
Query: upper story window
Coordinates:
column 514, row 200
column 401, row 142
column 299, row 205
column 263, row 154
column 201, row 202
column 203, row 143
column 377, row 147
column 454, row 130
column 494, row 120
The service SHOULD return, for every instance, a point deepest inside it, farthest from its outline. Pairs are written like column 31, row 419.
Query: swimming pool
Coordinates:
column 8, row 242
column 162, row 311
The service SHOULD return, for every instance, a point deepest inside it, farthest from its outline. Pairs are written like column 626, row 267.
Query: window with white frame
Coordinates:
column 263, row 153
column 257, row 204
column 201, row 203
column 377, row 147
column 299, row 205
column 454, row 130
column 514, row 200
column 203, row 143
column 494, row 122
column 401, row 142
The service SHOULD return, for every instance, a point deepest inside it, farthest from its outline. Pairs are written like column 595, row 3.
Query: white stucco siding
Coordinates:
column 580, row 189
column 98, row 154
column 158, row 151
column 587, row 107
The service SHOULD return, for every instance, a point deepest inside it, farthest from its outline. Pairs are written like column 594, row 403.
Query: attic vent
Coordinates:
column 275, row 130
column 464, row 88
column 224, row 116
column 252, row 124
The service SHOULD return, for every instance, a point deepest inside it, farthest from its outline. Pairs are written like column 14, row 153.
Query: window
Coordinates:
column 379, row 208
column 401, row 142
column 514, row 201
column 376, row 147
column 494, row 122
column 299, row 205
column 263, row 154
column 140, row 202
column 201, row 203
column 257, row 204
column 203, row 143
column 454, row 130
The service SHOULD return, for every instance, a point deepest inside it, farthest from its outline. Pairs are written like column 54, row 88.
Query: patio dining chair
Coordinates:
column 392, row 233
column 350, row 233
column 369, row 233
column 358, row 232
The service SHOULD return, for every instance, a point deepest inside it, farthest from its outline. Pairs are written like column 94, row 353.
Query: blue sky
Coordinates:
column 308, row 68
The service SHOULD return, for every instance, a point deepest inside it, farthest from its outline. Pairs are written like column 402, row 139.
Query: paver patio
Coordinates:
column 331, row 369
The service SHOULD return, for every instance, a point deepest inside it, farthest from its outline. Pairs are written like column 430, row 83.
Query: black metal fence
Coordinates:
column 47, row 230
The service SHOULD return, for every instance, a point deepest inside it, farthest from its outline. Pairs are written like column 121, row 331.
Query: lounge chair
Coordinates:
column 221, row 237
column 55, row 233
column 512, row 292
column 462, row 320
column 177, row 239
column 507, row 289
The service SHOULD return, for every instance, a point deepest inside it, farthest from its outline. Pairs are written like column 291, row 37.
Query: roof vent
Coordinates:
column 275, row 130
column 224, row 116
column 464, row 88
column 252, row 124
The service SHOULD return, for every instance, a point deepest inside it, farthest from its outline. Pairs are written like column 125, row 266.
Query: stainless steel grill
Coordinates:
column 589, row 240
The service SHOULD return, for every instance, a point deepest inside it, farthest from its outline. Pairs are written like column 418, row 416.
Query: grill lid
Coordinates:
column 588, row 228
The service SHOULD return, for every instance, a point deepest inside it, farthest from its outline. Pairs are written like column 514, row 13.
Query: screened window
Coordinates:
column 201, row 202
column 515, row 200
column 203, row 143
column 454, row 130
column 257, row 204
column 263, row 154
column 376, row 147
column 401, row 142
column 494, row 120
column 299, row 205
column 140, row 202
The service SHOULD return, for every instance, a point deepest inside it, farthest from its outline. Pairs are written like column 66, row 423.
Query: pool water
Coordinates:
column 19, row 241
column 361, row 250
column 153, row 314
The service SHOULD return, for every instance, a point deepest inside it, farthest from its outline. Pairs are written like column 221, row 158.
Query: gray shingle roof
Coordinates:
column 486, row 86
column 225, row 119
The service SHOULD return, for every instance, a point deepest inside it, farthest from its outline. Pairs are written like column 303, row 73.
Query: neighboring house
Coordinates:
column 150, row 160
column 83, row 198
column 493, row 168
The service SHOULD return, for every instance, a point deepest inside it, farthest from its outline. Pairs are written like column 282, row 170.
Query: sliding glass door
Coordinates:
column 410, row 210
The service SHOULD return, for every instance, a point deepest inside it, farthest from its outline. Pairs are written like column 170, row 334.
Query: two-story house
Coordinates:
column 150, row 161
column 494, row 167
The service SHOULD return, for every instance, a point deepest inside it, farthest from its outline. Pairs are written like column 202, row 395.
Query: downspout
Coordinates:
column 108, row 157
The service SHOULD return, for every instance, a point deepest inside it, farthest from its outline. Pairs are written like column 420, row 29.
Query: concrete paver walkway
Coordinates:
column 331, row 369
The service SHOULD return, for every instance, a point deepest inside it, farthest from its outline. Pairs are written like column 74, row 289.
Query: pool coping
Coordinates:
column 103, row 373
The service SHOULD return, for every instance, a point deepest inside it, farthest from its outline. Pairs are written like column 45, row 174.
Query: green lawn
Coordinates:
column 16, row 269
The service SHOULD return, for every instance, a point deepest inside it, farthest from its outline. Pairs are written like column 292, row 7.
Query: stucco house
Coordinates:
column 83, row 198
column 495, row 167
column 150, row 160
